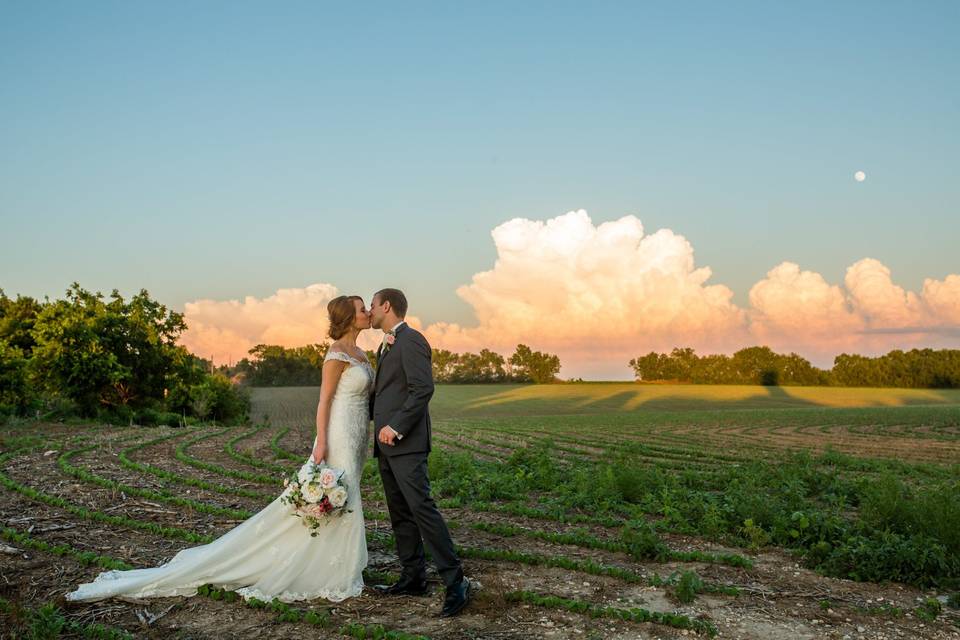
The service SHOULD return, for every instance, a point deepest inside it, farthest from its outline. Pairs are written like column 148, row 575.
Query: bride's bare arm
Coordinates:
column 332, row 370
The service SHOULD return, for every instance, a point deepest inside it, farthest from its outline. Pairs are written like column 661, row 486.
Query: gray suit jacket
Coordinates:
column 402, row 392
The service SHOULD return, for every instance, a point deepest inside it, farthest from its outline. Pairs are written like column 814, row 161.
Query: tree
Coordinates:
column 491, row 366
column 753, row 365
column 142, row 334
column 276, row 366
column 757, row 365
column 652, row 366
column 443, row 362
column 202, row 400
column 483, row 367
column 919, row 368
column 534, row 366
column 15, row 392
column 17, row 318
column 119, row 356
column 72, row 355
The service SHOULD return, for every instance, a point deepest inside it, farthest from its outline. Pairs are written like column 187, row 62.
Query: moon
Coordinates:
column 859, row 176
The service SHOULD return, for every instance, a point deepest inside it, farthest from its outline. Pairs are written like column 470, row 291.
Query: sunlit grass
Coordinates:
column 610, row 397
column 616, row 397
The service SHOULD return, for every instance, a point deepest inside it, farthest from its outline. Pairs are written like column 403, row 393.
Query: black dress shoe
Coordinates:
column 457, row 598
column 404, row 587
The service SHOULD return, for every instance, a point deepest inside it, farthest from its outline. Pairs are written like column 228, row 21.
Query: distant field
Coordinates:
column 917, row 424
column 516, row 399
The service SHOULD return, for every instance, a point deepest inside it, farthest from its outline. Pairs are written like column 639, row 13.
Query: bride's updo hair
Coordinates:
column 342, row 314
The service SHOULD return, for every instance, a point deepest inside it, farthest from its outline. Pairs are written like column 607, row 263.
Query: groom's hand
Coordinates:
column 387, row 436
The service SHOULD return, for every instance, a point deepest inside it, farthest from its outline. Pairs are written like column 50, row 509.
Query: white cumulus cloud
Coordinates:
column 598, row 295
column 593, row 294
column 799, row 311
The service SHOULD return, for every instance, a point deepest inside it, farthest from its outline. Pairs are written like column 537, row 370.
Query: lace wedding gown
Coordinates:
column 271, row 555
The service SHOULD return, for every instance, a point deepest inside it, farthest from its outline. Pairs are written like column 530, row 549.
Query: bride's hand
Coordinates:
column 319, row 452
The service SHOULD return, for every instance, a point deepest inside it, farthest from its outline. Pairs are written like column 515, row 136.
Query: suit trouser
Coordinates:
column 415, row 518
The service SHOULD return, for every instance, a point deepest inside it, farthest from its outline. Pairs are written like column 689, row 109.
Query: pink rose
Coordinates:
column 328, row 478
column 390, row 338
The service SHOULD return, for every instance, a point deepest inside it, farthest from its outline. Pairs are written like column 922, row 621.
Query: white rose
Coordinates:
column 338, row 497
column 311, row 492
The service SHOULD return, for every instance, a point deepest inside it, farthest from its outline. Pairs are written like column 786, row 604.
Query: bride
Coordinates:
column 272, row 555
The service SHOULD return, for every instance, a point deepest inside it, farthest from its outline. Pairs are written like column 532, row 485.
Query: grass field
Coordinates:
column 607, row 510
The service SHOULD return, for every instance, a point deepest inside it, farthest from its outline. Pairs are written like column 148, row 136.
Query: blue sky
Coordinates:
column 229, row 149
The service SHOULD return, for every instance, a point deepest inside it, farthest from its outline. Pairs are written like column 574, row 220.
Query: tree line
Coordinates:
column 277, row 366
column 109, row 358
column 525, row 365
column 115, row 359
column 917, row 368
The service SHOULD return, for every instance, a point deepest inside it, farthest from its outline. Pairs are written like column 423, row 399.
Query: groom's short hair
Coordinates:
column 398, row 301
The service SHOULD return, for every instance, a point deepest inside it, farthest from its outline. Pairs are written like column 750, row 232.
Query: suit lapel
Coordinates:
column 381, row 356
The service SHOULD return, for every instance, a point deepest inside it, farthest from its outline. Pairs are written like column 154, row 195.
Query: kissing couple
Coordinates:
column 271, row 554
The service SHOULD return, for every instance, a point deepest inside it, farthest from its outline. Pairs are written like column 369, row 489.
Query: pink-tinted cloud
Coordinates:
column 225, row 330
column 870, row 314
column 598, row 295
column 799, row 311
column 942, row 298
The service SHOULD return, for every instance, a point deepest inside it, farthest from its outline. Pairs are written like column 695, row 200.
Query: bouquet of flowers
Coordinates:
column 317, row 494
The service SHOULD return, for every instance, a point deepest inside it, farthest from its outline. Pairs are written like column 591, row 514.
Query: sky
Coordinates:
column 594, row 179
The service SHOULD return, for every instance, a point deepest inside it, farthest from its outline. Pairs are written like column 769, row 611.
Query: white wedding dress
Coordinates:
column 272, row 555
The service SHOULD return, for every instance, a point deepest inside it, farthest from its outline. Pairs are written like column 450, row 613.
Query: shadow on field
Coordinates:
column 766, row 397
column 627, row 397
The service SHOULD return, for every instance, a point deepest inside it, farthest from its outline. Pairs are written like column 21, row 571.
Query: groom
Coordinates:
column 401, row 427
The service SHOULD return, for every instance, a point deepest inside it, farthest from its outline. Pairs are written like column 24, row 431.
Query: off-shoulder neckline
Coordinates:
column 348, row 355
